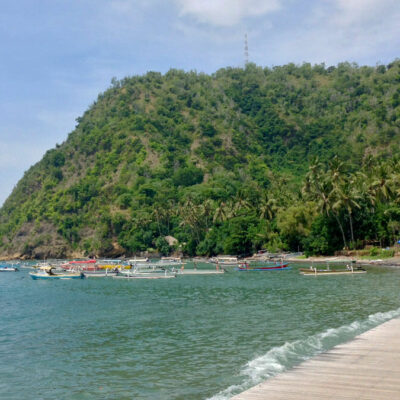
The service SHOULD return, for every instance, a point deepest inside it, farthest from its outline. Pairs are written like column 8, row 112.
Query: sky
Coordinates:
column 56, row 56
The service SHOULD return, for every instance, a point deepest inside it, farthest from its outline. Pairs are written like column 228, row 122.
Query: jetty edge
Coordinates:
column 365, row 368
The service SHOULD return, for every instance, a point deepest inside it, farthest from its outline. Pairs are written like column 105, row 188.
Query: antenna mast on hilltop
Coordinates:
column 246, row 50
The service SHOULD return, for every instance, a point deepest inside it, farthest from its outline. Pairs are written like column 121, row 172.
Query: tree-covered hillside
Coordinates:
column 293, row 157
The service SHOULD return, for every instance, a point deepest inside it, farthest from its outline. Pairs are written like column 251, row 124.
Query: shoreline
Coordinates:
column 387, row 262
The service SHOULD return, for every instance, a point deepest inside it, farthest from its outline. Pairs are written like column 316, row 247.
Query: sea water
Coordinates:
column 189, row 338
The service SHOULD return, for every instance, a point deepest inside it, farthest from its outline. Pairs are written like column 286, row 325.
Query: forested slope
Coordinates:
column 293, row 157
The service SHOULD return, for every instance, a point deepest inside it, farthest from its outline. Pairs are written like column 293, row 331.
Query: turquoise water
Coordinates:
column 193, row 337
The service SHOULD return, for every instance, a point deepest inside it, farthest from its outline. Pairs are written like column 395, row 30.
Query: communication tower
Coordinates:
column 246, row 50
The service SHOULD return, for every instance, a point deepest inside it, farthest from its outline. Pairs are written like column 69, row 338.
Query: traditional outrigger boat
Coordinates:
column 143, row 276
column 350, row 270
column 81, row 265
column 47, row 272
column 100, row 273
column 149, row 271
column 225, row 261
column 170, row 260
column 8, row 268
column 136, row 260
column 112, row 265
column 92, row 268
column 264, row 267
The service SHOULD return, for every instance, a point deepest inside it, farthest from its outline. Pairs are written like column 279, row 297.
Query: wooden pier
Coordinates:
column 365, row 368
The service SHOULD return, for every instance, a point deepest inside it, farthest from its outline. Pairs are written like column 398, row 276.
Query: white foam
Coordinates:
column 281, row 358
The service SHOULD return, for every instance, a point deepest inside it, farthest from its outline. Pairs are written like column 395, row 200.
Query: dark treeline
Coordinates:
column 289, row 158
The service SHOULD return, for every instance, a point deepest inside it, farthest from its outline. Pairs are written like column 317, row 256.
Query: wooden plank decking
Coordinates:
column 366, row 368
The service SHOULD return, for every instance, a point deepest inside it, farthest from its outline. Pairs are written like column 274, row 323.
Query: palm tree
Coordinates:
column 319, row 188
column 170, row 211
column 240, row 203
column 382, row 182
column 207, row 209
column 347, row 197
column 313, row 179
column 158, row 215
column 220, row 213
column 268, row 206
column 368, row 164
column 336, row 171
column 188, row 214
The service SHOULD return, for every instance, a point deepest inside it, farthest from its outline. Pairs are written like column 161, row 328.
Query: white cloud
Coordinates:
column 331, row 31
column 360, row 12
column 226, row 13
column 364, row 27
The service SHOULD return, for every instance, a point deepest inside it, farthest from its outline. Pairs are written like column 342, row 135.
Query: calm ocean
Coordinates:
column 189, row 338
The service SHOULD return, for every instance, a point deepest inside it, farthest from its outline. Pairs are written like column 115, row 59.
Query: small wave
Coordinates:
column 281, row 358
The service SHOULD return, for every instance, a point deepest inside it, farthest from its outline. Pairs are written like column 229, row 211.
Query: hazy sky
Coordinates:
column 57, row 55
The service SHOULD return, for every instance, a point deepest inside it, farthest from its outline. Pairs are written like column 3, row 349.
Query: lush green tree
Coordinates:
column 223, row 162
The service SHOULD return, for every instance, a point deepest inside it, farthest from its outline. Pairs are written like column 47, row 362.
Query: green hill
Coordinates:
column 229, row 163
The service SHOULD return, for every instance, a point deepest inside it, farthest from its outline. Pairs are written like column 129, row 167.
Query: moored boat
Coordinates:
column 263, row 267
column 93, row 268
column 170, row 260
column 140, row 260
column 92, row 261
column 80, row 265
column 225, row 260
column 143, row 276
column 48, row 272
column 8, row 268
column 100, row 273
column 349, row 270
column 150, row 271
